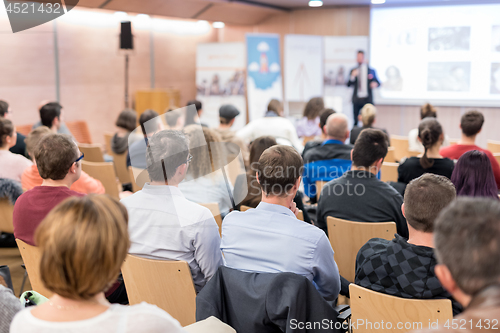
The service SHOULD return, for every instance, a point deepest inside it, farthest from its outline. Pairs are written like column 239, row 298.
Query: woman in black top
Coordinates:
column 430, row 133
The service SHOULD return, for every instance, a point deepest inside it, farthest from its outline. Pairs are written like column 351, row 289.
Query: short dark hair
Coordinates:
column 54, row 155
column 323, row 117
column 473, row 175
column 467, row 241
column 167, row 150
column 471, row 122
column 6, row 129
column 145, row 117
column 127, row 120
column 49, row 112
column 197, row 104
column 279, row 168
column 172, row 116
column 4, row 108
column 425, row 197
column 371, row 145
column 361, row 51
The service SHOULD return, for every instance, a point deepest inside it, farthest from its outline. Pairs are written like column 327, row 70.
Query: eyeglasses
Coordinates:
column 190, row 157
column 79, row 158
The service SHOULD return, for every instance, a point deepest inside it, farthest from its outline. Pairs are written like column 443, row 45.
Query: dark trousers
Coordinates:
column 356, row 107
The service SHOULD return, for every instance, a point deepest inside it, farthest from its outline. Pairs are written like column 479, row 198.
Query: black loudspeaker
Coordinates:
column 126, row 40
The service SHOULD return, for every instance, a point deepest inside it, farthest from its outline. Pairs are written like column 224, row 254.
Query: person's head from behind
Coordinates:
column 428, row 111
column 313, row 108
column 205, row 149
column 430, row 134
column 167, row 157
column 8, row 135
column 127, row 120
column 83, row 242
column 150, row 123
column 194, row 111
column 368, row 114
column 337, row 127
column 275, row 106
column 473, row 175
column 467, row 247
column 360, row 57
column 4, row 109
column 471, row 123
column 50, row 115
column 257, row 147
column 227, row 115
column 369, row 150
column 279, row 172
column 34, row 138
column 323, row 117
column 425, row 197
column 58, row 158
column 175, row 118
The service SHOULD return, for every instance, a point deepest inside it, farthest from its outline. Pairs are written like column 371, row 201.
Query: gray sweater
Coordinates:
column 9, row 306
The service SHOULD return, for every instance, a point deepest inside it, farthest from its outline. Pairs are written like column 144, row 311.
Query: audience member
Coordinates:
column 426, row 111
column 227, row 116
column 163, row 224
column 367, row 117
column 430, row 133
column 193, row 116
column 273, row 124
column 175, row 118
column 308, row 125
column 473, row 176
column 466, row 237
column 9, row 306
column 382, row 265
column 204, row 180
column 51, row 116
column 125, row 134
column 471, row 124
column 31, row 177
column 358, row 195
column 329, row 159
column 150, row 124
column 19, row 147
column 58, row 160
column 323, row 116
column 84, row 242
column 12, row 165
column 270, row 238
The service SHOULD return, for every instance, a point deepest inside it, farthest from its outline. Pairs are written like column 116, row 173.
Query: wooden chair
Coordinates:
column 105, row 172
column 214, row 209
column 24, row 129
column 300, row 216
column 31, row 258
column 234, row 168
column 413, row 153
column 493, row 146
column 400, row 145
column 453, row 141
column 138, row 177
column 6, row 211
column 80, row 131
column 244, row 208
column 390, row 155
column 497, row 157
column 93, row 153
column 369, row 306
column 347, row 237
column 319, row 186
column 306, row 139
column 389, row 172
column 164, row 283
column 108, row 136
column 120, row 163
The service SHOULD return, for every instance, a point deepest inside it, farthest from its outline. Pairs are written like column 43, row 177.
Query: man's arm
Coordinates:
column 401, row 225
column 325, row 270
column 207, row 246
column 352, row 77
column 374, row 77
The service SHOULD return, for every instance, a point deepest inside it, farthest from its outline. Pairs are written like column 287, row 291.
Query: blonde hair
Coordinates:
column 84, row 241
column 34, row 137
column 368, row 114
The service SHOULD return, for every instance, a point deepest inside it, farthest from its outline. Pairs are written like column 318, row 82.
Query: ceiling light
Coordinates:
column 218, row 25
column 378, row 2
column 315, row 3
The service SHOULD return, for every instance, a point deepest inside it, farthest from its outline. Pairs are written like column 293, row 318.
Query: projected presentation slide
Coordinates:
column 446, row 55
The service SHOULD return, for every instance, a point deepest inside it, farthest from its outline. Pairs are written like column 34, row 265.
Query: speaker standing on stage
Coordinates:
column 364, row 79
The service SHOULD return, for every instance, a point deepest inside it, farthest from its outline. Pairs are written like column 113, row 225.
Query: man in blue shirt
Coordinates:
column 270, row 238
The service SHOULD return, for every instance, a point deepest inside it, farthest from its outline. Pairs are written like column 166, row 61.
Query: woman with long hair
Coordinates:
column 308, row 125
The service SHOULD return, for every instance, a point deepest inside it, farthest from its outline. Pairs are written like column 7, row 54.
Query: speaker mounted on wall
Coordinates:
column 126, row 37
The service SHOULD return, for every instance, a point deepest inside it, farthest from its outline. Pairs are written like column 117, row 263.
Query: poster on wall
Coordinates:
column 339, row 59
column 263, row 72
column 220, row 79
column 303, row 67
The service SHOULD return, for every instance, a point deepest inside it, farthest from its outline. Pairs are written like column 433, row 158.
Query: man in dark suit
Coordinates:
column 364, row 79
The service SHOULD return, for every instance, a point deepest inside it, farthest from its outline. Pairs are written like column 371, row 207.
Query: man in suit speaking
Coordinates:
column 364, row 79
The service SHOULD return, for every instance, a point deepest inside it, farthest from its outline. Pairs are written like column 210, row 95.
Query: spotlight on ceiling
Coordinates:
column 315, row 3
column 218, row 25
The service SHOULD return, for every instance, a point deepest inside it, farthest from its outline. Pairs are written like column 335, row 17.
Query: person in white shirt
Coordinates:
column 12, row 165
column 83, row 242
column 163, row 224
column 273, row 124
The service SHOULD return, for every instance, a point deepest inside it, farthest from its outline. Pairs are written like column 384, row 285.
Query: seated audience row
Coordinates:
column 6, row 112
column 12, row 165
column 367, row 117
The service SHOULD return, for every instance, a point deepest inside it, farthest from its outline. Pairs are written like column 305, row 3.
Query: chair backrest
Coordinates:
column 493, row 146
column 24, row 129
column 234, row 168
column 6, row 211
column 400, row 145
column 319, row 187
column 105, row 172
column 373, row 308
column 31, row 258
column 454, row 141
column 108, row 136
column 214, row 209
column 390, row 155
column 347, row 237
column 80, row 131
column 93, row 153
column 497, row 157
column 142, row 178
column 120, row 163
column 306, row 139
column 389, row 172
column 244, row 208
column 300, row 216
column 164, row 283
